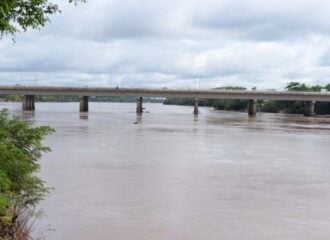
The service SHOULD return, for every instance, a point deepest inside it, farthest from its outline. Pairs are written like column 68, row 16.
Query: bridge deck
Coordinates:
column 143, row 92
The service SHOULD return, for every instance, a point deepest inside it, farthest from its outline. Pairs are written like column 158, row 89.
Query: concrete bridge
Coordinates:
column 28, row 95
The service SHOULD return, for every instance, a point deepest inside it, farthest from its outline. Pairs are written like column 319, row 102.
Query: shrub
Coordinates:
column 20, row 149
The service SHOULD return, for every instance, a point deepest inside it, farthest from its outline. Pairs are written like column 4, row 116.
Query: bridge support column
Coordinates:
column 28, row 103
column 252, row 108
column 309, row 109
column 139, row 108
column 196, row 106
column 84, row 103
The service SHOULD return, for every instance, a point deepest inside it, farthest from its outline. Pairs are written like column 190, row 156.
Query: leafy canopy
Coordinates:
column 16, row 15
column 21, row 148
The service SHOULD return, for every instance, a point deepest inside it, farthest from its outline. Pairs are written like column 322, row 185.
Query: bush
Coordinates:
column 20, row 147
column 272, row 106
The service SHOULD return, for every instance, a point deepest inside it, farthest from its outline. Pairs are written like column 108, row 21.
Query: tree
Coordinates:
column 297, row 86
column 327, row 87
column 297, row 106
column 20, row 188
column 17, row 15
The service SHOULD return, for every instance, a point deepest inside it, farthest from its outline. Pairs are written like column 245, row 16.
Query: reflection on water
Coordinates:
column 27, row 115
column 83, row 115
column 138, row 118
column 218, row 175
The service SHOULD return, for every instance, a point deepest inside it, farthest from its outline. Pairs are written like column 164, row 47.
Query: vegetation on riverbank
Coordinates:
column 297, row 106
column 219, row 104
column 20, row 188
column 263, row 106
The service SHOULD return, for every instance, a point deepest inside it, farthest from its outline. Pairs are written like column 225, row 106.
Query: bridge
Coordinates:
column 28, row 94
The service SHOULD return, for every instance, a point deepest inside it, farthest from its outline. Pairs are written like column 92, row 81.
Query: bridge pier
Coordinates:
column 309, row 109
column 139, row 107
column 28, row 103
column 252, row 107
column 196, row 106
column 84, row 103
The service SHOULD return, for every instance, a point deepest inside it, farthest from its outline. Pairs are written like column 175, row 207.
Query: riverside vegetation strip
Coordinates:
column 20, row 188
column 296, row 107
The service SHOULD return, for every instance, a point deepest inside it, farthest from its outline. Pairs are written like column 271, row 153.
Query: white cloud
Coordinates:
column 173, row 43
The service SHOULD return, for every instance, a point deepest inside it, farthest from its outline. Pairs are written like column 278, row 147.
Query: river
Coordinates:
column 169, row 175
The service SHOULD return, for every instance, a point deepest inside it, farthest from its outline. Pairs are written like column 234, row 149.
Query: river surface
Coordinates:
column 173, row 176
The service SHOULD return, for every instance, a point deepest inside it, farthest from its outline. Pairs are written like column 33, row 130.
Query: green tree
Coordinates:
column 20, row 147
column 297, row 106
column 297, row 86
column 327, row 87
column 17, row 15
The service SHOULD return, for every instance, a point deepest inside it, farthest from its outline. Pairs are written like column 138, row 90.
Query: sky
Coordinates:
column 175, row 44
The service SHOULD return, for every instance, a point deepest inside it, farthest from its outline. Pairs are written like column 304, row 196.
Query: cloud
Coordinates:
column 266, row 20
column 174, row 44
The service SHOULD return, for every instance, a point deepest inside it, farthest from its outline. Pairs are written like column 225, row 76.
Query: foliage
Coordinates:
column 179, row 101
column 273, row 106
column 236, row 105
column 20, row 147
column 327, row 87
column 10, row 98
column 322, row 107
column 297, row 106
column 16, row 15
column 297, row 86
column 264, row 106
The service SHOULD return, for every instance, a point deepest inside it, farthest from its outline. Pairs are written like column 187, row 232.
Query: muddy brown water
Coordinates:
column 173, row 176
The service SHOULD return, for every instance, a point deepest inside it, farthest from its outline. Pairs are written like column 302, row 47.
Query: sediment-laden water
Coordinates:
column 173, row 176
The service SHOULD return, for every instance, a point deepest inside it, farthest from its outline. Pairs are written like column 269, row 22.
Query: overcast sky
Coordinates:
column 175, row 44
